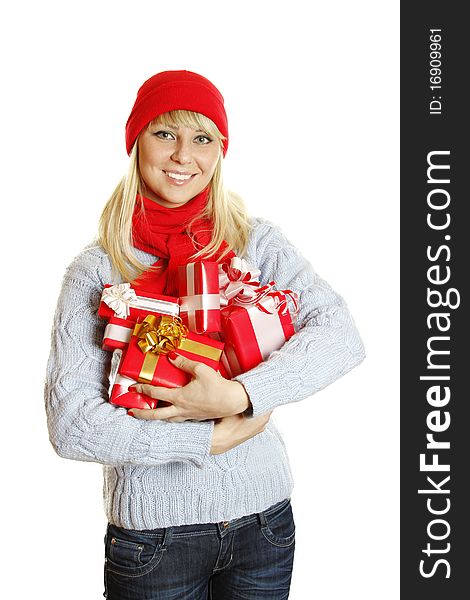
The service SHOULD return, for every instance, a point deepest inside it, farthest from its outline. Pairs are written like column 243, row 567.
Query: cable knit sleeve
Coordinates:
column 82, row 424
column 326, row 344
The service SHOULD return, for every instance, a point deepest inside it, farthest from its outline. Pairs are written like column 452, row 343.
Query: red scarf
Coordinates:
column 163, row 232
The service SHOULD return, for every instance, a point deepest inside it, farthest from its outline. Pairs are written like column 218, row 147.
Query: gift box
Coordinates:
column 117, row 334
column 122, row 301
column 121, row 305
column 224, row 366
column 119, row 393
column 198, row 285
column 254, row 328
column 145, row 359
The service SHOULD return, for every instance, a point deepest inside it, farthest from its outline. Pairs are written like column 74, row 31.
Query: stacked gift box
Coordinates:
column 223, row 317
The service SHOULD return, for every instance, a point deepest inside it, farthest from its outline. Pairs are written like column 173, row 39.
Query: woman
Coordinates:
column 196, row 491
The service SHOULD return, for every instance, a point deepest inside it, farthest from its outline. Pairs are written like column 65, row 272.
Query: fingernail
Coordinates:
column 130, row 413
column 172, row 355
column 132, row 388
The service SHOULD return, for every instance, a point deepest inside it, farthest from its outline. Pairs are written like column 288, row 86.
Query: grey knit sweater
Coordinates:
column 159, row 474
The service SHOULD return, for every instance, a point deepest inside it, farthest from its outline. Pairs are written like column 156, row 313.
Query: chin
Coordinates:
column 179, row 196
column 169, row 198
column 178, row 199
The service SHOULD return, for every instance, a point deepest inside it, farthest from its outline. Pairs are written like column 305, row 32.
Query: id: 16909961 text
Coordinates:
column 435, row 72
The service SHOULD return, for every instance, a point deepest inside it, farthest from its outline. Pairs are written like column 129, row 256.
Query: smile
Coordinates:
column 178, row 178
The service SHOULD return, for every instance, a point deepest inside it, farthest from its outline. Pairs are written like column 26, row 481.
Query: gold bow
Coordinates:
column 160, row 334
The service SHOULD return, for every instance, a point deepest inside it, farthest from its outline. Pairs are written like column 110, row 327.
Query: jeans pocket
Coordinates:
column 127, row 554
column 278, row 525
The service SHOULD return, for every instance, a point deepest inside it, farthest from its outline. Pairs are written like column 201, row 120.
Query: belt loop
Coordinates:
column 167, row 535
column 262, row 519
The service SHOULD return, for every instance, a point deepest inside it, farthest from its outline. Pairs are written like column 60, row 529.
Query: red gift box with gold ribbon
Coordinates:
column 119, row 393
column 198, row 285
column 145, row 359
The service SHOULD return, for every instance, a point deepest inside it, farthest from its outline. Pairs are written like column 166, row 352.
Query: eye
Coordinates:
column 164, row 135
column 203, row 139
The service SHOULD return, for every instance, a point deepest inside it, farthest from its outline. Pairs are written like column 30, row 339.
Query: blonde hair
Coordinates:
column 224, row 208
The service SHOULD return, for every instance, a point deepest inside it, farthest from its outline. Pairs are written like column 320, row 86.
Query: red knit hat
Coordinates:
column 176, row 90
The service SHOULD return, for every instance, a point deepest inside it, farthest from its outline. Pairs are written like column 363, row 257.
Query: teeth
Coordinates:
column 178, row 176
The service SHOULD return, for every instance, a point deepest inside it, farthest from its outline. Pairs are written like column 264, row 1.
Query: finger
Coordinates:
column 156, row 414
column 193, row 367
column 154, row 391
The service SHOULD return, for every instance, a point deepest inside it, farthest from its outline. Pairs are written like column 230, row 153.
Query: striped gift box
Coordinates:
column 199, row 301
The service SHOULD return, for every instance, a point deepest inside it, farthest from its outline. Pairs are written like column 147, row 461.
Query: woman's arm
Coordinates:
column 326, row 344
column 82, row 424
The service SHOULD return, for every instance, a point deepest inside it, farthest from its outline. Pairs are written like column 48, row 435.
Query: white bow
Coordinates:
column 119, row 298
column 237, row 280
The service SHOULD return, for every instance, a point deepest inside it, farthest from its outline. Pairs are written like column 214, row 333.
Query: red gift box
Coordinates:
column 198, row 285
column 224, row 366
column 117, row 334
column 122, row 301
column 145, row 360
column 119, row 388
column 121, row 305
column 253, row 330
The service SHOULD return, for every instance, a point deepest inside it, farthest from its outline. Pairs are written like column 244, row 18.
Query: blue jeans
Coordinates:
column 250, row 558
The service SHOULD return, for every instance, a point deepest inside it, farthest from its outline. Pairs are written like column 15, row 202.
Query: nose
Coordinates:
column 182, row 153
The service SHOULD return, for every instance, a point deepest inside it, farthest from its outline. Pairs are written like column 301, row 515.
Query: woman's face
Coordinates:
column 176, row 163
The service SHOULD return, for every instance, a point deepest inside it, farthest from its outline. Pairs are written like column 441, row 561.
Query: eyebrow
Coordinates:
column 173, row 126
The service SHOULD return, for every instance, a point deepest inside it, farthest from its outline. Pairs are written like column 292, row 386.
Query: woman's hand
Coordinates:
column 206, row 396
column 232, row 431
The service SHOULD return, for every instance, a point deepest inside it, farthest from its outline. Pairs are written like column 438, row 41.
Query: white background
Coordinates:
column 311, row 92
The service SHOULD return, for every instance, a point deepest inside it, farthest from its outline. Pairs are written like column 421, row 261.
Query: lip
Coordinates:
column 176, row 182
